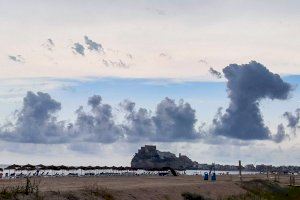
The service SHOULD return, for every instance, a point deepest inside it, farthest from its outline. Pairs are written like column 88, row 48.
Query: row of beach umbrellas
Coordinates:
column 63, row 167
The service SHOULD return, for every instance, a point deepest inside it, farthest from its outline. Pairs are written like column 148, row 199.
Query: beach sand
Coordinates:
column 138, row 187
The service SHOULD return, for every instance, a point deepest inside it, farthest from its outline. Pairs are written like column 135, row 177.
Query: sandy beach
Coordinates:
column 139, row 187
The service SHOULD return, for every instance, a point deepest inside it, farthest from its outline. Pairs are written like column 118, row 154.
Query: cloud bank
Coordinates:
column 248, row 84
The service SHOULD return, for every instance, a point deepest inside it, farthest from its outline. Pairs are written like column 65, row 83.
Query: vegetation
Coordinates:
column 31, row 188
column 193, row 196
column 257, row 190
column 30, row 191
column 270, row 190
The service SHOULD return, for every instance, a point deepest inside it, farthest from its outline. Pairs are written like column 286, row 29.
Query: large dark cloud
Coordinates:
column 92, row 45
column 293, row 120
column 36, row 121
column 98, row 125
column 171, row 122
column 247, row 85
column 175, row 122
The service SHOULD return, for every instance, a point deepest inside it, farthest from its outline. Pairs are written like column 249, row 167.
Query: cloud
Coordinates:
column 247, row 85
column 215, row 73
column 119, row 63
column 171, row 122
column 92, row 45
column 36, row 122
column 78, row 49
column 166, row 56
column 97, row 125
column 280, row 135
column 157, row 11
column 293, row 120
column 49, row 44
column 175, row 122
column 17, row 58
column 130, row 56
column 202, row 61
column 140, row 123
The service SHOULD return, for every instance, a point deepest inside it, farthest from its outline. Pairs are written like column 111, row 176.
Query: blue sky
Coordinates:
column 146, row 51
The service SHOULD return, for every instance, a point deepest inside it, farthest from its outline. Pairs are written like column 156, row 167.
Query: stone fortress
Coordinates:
column 148, row 157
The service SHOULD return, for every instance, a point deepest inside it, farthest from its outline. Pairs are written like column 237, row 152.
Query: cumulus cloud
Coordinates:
column 247, row 85
column 36, row 121
column 17, row 58
column 78, row 49
column 98, row 125
column 140, row 123
column 92, row 45
column 215, row 73
column 293, row 120
column 175, row 122
column 171, row 122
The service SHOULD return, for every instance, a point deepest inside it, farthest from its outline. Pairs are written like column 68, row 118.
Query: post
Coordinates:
column 292, row 180
column 240, row 170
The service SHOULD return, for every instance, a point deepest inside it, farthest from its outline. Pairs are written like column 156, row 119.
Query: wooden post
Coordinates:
column 240, row 170
column 292, row 180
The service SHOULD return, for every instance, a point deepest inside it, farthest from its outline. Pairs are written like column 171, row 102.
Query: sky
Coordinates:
column 88, row 83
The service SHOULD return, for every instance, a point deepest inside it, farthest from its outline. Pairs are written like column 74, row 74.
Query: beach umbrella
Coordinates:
column 29, row 167
column 40, row 166
column 12, row 167
column 63, row 167
column 52, row 168
column 72, row 168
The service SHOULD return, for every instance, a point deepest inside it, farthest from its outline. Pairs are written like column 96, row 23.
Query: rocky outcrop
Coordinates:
column 148, row 157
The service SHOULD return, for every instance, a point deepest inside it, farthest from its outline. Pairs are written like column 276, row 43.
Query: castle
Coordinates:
column 148, row 157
